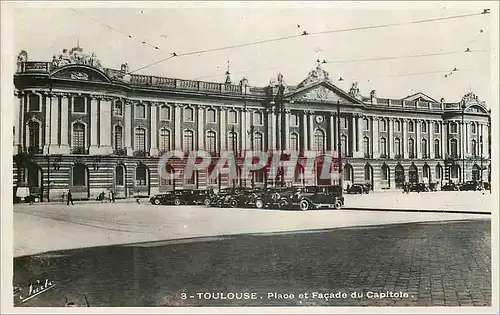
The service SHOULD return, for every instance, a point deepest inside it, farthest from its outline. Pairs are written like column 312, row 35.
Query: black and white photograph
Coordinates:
column 243, row 156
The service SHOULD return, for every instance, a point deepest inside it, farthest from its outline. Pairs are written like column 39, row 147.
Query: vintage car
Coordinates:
column 182, row 196
column 227, row 197
column 470, row 186
column 449, row 187
column 357, row 189
column 418, row 187
column 316, row 197
column 276, row 197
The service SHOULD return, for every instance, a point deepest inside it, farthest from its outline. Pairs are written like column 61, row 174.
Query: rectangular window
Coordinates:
column 294, row 120
column 118, row 109
column 79, row 104
column 211, row 115
column 257, row 119
column 232, row 117
column 140, row 111
column 164, row 113
column 188, row 114
column 453, row 127
column 437, row 128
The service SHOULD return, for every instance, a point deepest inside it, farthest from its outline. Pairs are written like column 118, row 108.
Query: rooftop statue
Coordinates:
column 76, row 56
column 315, row 75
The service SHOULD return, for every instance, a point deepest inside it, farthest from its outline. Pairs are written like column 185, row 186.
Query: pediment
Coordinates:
column 324, row 93
column 80, row 73
column 476, row 109
column 420, row 97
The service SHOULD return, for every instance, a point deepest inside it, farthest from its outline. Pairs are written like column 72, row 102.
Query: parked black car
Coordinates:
column 470, row 186
column 418, row 187
column 182, row 196
column 449, row 187
column 315, row 197
column 276, row 197
column 228, row 197
column 357, row 189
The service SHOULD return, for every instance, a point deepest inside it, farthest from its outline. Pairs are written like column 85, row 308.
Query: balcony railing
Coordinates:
column 120, row 151
column 79, row 150
column 141, row 153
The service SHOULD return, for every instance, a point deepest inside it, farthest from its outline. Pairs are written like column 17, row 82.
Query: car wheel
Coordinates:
column 259, row 204
column 233, row 203
column 207, row 202
column 304, row 205
column 177, row 202
column 157, row 202
column 338, row 204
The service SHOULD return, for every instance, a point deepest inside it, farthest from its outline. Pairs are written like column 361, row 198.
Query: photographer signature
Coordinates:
column 34, row 289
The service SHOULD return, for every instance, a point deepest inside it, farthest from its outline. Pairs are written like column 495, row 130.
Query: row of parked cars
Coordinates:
column 303, row 198
column 467, row 186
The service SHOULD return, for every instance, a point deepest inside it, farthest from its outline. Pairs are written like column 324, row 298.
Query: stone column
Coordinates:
column 418, row 140
column 22, row 115
column 431, row 138
column 273, row 130
column 279, row 130
column 94, row 128
column 404, row 142
column 359, row 137
column 46, row 123
column 248, row 116
column 105, row 134
column 201, row 128
column 65, row 130
column 375, row 139
column 484, row 130
column 153, row 147
column 461, row 141
column 18, row 104
column 222, row 133
column 304, row 135
column 128, row 134
column 390, row 139
column 177, row 126
column 270, row 130
column 444, row 140
column 332, row 134
column 311, row 130
column 287, row 130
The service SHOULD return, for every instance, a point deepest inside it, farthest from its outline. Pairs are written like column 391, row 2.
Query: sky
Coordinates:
column 45, row 30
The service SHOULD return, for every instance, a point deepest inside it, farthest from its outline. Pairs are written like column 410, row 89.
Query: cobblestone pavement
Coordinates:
column 445, row 263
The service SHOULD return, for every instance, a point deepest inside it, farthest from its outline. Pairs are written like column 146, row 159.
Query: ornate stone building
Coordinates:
column 88, row 128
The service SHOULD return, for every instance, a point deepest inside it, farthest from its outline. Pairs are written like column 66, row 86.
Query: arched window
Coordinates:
column 473, row 127
column 165, row 113
column 366, row 146
column 211, row 141
column 118, row 108
column 348, row 173
column 454, row 148
column 164, row 140
column 411, row 148
column 233, row 141
column 397, row 147
column 257, row 142
column 437, row 149
column 319, row 141
column 343, row 144
column 119, row 175
column 140, row 139
column 397, row 125
column 211, row 115
column 188, row 140
column 78, row 136
column 141, row 175
column 368, row 172
column 474, row 148
column 455, row 172
column 383, row 125
column 424, row 127
column 188, row 114
column 424, row 148
column 257, row 119
column 34, row 135
column 439, row 172
column 385, row 172
column 79, row 175
column 232, row 117
column 118, row 139
column 453, row 127
column 411, row 127
column 383, row 147
column 34, row 102
column 140, row 111
column 299, row 174
column 294, row 142
column 476, row 170
column 366, row 124
column 426, row 171
column 437, row 128
column 79, row 104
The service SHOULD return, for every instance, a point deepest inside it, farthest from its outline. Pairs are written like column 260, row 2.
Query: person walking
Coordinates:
column 70, row 198
column 112, row 194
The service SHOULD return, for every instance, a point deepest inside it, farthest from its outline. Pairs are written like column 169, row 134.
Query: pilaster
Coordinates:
column 153, row 146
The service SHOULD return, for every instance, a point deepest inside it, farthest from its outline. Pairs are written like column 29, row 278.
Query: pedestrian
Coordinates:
column 112, row 194
column 70, row 198
column 138, row 201
column 63, row 196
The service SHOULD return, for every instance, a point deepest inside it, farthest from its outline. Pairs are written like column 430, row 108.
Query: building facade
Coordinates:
column 83, row 127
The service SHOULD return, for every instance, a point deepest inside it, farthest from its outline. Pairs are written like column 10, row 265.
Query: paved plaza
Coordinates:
column 128, row 254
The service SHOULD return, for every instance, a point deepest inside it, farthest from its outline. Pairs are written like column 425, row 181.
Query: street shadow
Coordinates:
column 194, row 271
